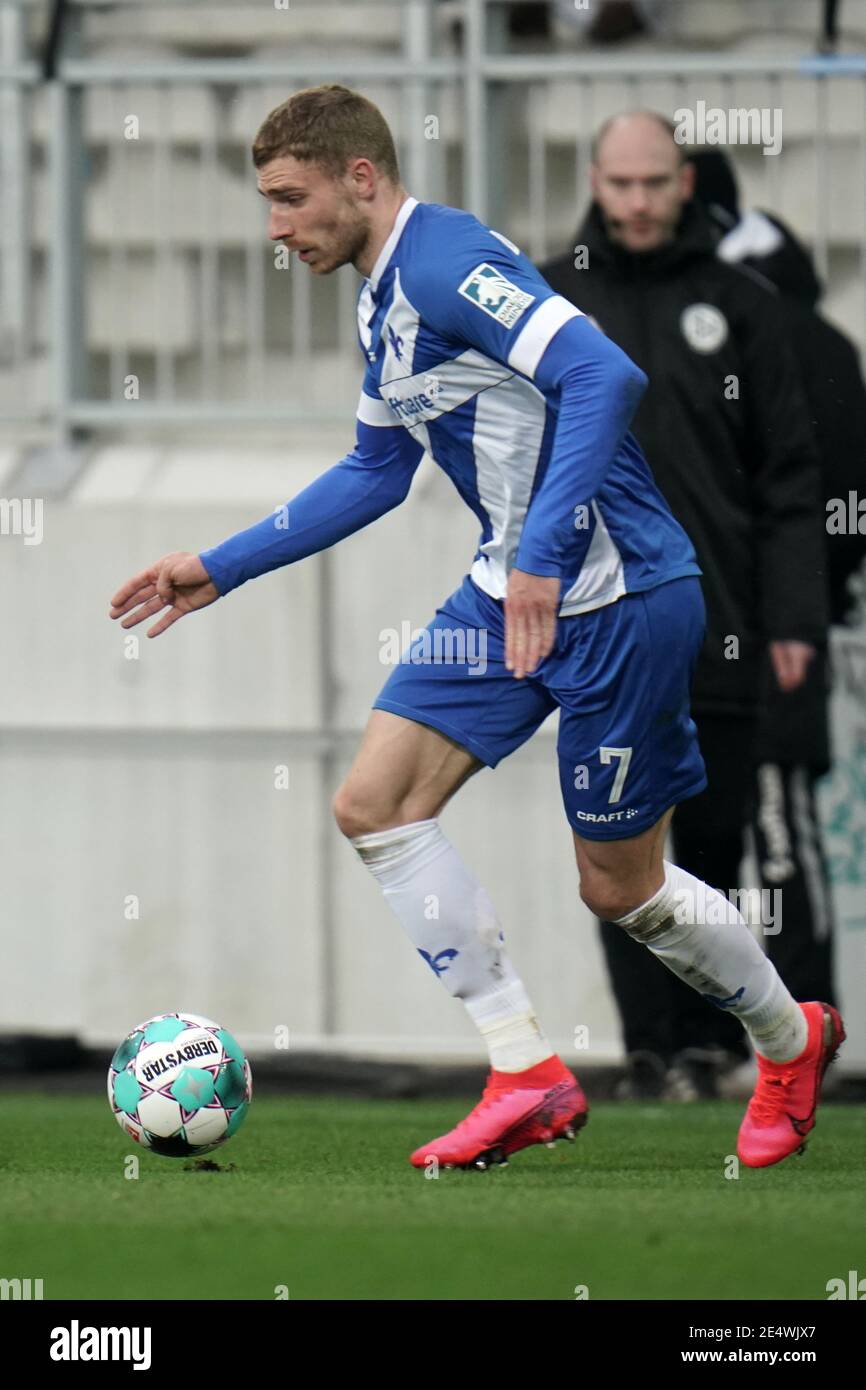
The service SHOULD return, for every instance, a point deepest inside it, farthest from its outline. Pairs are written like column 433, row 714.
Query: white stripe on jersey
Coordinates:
column 378, row 413
column 406, row 208
column 435, row 392
column 506, row 443
column 366, row 310
column 602, row 575
column 374, row 412
column 399, row 331
column 533, row 340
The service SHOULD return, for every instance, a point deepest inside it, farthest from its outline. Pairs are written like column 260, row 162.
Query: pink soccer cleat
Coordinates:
column 537, row 1106
column 782, row 1110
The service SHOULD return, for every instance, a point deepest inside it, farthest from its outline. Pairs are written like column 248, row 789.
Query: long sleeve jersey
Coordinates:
column 473, row 359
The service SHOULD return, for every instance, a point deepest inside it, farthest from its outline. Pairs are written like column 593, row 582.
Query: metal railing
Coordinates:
column 136, row 282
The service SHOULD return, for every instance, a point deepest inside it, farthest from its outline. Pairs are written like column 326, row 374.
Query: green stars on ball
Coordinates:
column 164, row 1029
column 127, row 1093
column 193, row 1089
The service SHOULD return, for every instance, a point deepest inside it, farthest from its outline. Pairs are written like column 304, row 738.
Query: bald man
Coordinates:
column 726, row 434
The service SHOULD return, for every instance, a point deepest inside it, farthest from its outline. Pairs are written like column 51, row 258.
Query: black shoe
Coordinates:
column 643, row 1079
column 694, row 1074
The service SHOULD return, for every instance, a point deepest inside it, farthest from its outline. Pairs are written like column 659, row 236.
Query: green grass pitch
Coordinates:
column 318, row 1196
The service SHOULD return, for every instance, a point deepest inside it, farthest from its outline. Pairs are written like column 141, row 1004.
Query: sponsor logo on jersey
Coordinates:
column 611, row 816
column 704, row 327
column 411, row 406
column 488, row 289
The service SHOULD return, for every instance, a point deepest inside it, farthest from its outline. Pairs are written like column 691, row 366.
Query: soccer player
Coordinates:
column 584, row 589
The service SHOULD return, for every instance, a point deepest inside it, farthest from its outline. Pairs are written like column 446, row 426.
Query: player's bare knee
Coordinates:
column 607, row 896
column 352, row 813
column 360, row 813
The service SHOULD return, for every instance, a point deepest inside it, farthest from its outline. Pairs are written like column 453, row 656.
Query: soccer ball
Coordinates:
column 180, row 1085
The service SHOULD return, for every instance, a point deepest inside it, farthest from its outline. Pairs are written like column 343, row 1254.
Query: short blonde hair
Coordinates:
column 328, row 126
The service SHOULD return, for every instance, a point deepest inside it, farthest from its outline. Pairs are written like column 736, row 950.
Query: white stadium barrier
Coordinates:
column 147, row 783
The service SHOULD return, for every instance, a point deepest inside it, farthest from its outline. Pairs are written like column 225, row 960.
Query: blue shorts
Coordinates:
column 619, row 676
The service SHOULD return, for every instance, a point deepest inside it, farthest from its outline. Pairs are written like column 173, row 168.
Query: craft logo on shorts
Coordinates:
column 488, row 289
column 704, row 327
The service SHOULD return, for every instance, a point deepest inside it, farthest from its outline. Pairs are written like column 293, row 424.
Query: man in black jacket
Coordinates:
column 829, row 363
column 728, row 440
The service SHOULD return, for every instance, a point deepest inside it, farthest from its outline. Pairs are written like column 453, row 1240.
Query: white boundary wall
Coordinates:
column 155, row 777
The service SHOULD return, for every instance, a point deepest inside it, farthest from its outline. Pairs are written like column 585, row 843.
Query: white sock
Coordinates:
column 453, row 925
column 699, row 935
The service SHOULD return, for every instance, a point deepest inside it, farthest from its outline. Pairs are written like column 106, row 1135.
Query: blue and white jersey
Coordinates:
column 523, row 402
column 468, row 348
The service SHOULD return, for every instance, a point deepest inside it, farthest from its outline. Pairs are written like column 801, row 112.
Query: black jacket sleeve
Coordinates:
column 837, row 405
column 787, row 485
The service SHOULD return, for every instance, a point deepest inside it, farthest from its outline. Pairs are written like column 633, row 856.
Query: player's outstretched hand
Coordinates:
column 179, row 580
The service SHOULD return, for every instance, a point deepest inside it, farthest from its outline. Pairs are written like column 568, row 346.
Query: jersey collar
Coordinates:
column 384, row 256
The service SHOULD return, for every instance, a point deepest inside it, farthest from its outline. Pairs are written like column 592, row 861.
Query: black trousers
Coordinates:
column 658, row 1012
